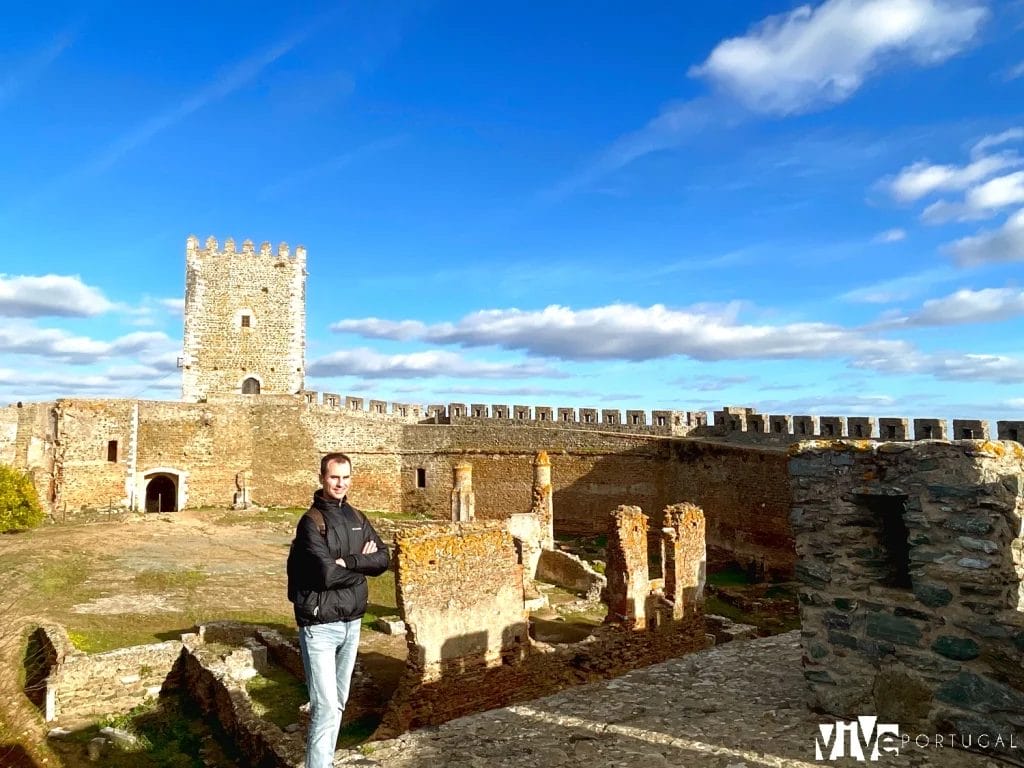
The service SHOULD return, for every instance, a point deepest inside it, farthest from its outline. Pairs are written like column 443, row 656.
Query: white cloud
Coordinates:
column 953, row 366
column 992, row 246
column 922, row 178
column 175, row 306
column 60, row 345
column 50, row 295
column 367, row 363
column 984, row 144
column 376, row 328
column 629, row 332
column 812, row 57
column 891, row 236
column 966, row 306
column 981, row 202
column 111, row 382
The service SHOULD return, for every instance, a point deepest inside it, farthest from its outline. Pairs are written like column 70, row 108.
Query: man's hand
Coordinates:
column 368, row 549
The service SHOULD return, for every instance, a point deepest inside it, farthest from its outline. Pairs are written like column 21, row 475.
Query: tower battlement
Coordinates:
column 248, row 248
column 245, row 319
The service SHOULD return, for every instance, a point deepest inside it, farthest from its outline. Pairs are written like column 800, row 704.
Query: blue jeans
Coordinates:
column 328, row 658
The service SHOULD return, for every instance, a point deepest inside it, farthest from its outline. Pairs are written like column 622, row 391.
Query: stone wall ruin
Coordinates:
column 912, row 560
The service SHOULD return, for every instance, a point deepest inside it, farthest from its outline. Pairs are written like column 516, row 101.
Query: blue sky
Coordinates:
column 802, row 208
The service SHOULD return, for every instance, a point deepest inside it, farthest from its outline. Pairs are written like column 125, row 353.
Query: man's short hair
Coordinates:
column 332, row 458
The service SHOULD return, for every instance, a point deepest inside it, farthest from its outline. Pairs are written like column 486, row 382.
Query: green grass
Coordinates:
column 356, row 732
column 251, row 516
column 277, row 696
column 171, row 733
column 60, row 578
column 155, row 580
column 732, row 576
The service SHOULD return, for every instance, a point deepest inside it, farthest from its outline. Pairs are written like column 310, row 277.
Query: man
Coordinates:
column 334, row 550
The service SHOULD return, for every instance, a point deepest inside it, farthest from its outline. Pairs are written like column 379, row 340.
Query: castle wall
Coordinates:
column 912, row 562
column 84, row 474
column 745, row 495
column 742, row 488
column 279, row 443
column 26, row 443
column 592, row 472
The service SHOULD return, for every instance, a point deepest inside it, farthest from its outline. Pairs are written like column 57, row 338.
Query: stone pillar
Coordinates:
column 242, row 498
column 628, row 578
column 685, row 558
column 543, row 504
column 463, row 499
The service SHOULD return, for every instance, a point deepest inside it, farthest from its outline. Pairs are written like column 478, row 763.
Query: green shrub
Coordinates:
column 19, row 503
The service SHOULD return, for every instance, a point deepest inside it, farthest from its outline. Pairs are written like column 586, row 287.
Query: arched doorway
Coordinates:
column 251, row 386
column 162, row 494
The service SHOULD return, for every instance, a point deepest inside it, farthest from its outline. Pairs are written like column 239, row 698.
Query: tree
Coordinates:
column 19, row 502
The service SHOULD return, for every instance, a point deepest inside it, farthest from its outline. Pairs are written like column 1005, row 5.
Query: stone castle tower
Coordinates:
column 245, row 320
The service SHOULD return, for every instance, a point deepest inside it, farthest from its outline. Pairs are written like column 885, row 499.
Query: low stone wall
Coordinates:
column 79, row 686
column 570, row 572
column 912, row 565
column 215, row 680
column 471, row 685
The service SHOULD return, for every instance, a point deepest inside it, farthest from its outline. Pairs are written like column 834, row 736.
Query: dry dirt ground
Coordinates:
column 127, row 579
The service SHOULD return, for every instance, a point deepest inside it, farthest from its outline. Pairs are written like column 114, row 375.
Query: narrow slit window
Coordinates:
column 421, row 478
column 893, row 562
column 112, row 450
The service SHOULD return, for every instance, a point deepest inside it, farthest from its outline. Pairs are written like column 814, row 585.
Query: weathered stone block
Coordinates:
column 976, row 526
column 960, row 648
column 977, row 545
column 971, row 691
column 932, row 595
column 894, row 629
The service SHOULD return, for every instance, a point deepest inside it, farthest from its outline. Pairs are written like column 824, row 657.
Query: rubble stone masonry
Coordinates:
column 911, row 559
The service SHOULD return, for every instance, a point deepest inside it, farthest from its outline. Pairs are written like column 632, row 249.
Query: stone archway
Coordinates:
column 251, row 386
column 162, row 493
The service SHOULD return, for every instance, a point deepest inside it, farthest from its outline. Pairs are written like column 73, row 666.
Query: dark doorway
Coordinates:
column 161, row 495
column 250, row 386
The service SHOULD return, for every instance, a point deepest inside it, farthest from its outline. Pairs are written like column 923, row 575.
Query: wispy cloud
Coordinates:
column 634, row 333
column 900, row 288
column 923, row 178
column 368, row 363
column 1017, row 70
column 30, row 70
column 55, row 344
column 891, row 236
column 330, row 166
column 988, row 305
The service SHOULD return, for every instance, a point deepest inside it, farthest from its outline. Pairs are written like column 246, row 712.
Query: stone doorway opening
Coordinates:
column 162, row 493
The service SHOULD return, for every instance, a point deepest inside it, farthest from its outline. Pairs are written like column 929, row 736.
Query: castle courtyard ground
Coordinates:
column 738, row 705
column 128, row 579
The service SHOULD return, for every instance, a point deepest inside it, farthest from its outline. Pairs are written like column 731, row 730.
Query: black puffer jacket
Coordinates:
column 321, row 590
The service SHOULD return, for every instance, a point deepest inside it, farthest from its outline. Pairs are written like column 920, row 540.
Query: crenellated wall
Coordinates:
column 735, row 421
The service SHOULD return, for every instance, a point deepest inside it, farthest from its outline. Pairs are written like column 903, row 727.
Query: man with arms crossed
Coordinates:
column 334, row 550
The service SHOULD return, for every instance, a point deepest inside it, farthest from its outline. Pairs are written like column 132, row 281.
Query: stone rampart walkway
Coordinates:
column 739, row 705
